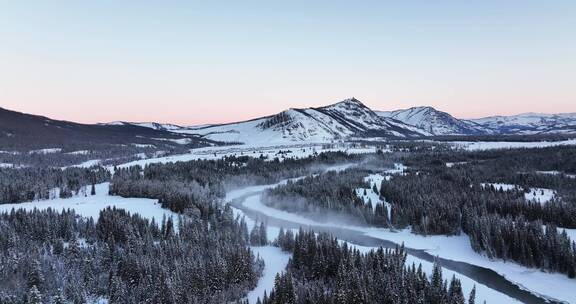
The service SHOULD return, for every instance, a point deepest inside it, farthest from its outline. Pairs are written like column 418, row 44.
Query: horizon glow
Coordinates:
column 189, row 63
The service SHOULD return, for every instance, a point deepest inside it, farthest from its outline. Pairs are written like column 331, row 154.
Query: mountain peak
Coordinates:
column 351, row 100
column 349, row 103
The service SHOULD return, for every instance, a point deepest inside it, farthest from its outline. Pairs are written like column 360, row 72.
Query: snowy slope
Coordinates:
column 332, row 123
column 350, row 119
column 151, row 125
column 531, row 123
column 435, row 122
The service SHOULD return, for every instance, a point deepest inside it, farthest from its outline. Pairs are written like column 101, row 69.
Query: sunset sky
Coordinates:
column 195, row 62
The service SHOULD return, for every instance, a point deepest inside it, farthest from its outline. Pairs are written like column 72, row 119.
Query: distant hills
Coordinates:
column 26, row 132
column 442, row 123
column 349, row 119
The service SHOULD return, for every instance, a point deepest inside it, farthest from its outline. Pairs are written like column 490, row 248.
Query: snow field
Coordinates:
column 540, row 195
column 90, row 206
column 476, row 146
column 269, row 152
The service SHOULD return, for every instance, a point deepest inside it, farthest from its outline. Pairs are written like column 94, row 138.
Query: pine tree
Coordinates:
column 93, row 190
column 455, row 292
column 263, row 235
column 59, row 298
column 472, row 297
column 255, row 235
column 34, row 296
column 35, row 276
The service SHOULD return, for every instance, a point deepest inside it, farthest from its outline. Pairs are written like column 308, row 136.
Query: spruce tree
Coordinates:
column 34, row 296
column 472, row 297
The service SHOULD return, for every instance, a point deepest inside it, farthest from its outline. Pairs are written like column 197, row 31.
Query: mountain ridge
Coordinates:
column 334, row 122
column 22, row 131
column 344, row 120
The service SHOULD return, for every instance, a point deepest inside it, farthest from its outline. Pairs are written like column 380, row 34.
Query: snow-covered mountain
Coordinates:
column 530, row 123
column 435, row 122
column 351, row 119
column 337, row 122
column 151, row 125
column 442, row 123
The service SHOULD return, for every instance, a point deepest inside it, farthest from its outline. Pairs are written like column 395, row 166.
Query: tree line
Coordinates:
column 323, row 270
column 39, row 183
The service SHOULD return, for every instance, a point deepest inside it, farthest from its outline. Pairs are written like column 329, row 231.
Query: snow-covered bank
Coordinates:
column 275, row 261
column 483, row 292
column 90, row 206
column 457, row 248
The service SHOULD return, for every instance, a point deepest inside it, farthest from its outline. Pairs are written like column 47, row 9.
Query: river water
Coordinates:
column 479, row 274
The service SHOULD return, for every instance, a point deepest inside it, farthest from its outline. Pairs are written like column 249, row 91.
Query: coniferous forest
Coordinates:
column 205, row 254
column 324, row 271
column 431, row 198
column 53, row 257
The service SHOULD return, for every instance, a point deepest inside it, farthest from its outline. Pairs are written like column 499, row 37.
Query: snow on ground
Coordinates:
column 269, row 152
column 180, row 141
column 275, row 261
column 475, row 146
column 11, row 166
column 570, row 232
column 554, row 172
column 398, row 169
column 46, row 151
column 86, row 164
column 374, row 179
column 90, row 206
column 367, row 195
column 500, row 186
column 540, row 195
column 483, row 293
column 455, row 248
column 81, row 152
column 144, row 146
column 450, row 165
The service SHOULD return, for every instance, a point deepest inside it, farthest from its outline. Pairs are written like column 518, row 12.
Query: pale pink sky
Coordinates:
column 211, row 62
